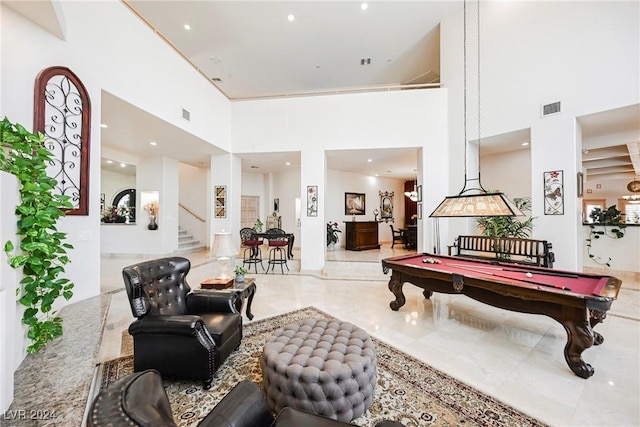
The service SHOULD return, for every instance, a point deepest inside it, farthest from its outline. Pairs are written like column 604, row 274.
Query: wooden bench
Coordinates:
column 506, row 249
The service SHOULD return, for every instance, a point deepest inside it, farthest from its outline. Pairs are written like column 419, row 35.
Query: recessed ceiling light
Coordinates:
column 524, row 144
column 103, row 125
column 109, row 161
column 288, row 163
column 364, row 6
column 369, row 160
column 187, row 26
column 123, row 165
column 291, row 18
column 153, row 143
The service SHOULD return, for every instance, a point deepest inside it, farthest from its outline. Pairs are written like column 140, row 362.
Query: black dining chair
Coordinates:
column 398, row 236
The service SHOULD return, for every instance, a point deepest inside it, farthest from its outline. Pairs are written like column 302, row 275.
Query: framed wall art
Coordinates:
column 354, row 204
column 220, row 194
column 62, row 113
column 386, row 206
column 553, row 193
column 312, row 200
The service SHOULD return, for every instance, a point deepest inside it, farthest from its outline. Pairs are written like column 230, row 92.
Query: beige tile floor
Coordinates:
column 517, row 358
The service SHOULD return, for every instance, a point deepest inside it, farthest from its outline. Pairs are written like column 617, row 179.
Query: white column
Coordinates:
column 226, row 170
column 555, row 146
column 313, row 228
column 158, row 174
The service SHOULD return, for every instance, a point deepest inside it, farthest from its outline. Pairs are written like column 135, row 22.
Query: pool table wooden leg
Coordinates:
column 395, row 286
column 580, row 337
column 596, row 317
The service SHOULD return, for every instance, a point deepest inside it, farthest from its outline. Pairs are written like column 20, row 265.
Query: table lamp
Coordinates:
column 223, row 250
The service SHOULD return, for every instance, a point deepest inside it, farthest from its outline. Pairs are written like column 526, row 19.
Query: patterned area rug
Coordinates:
column 407, row 389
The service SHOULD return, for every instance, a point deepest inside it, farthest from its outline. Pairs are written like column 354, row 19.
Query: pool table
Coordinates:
column 578, row 301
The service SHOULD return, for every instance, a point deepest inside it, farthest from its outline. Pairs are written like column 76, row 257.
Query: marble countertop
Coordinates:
column 52, row 386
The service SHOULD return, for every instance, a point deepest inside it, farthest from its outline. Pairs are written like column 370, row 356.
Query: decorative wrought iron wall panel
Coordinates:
column 63, row 114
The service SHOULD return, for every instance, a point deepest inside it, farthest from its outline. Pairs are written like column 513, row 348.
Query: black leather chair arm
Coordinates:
column 211, row 302
column 290, row 417
column 244, row 406
column 167, row 325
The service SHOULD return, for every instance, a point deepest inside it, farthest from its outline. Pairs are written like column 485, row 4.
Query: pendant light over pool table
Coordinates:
column 474, row 201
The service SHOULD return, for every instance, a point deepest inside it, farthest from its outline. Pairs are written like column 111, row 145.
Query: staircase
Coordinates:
column 187, row 243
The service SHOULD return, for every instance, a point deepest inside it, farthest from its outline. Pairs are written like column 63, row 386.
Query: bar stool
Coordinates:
column 278, row 242
column 251, row 244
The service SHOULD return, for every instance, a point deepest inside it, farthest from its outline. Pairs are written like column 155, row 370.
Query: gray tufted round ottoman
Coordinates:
column 324, row 367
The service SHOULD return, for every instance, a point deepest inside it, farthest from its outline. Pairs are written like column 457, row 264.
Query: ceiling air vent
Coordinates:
column 186, row 115
column 549, row 109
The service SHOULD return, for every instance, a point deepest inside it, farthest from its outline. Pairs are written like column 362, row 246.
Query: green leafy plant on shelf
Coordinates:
column 508, row 226
column 612, row 226
column 42, row 253
column 258, row 225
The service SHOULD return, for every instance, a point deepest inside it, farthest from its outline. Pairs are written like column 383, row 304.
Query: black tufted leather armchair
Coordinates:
column 177, row 332
column 140, row 399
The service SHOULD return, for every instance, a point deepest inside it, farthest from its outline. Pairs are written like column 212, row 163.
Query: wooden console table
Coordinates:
column 361, row 235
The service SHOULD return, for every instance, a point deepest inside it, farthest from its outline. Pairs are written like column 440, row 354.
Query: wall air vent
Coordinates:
column 549, row 109
column 186, row 115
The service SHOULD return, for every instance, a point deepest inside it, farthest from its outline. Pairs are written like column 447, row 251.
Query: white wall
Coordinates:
column 110, row 49
column 312, row 125
column 534, row 53
column 286, row 187
column 624, row 253
column 13, row 340
column 508, row 172
column 339, row 182
column 191, row 189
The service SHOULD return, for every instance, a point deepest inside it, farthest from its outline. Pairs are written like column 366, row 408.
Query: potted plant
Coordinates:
column 332, row 234
column 42, row 253
column 117, row 214
column 612, row 218
column 508, row 226
column 258, row 225
column 240, row 272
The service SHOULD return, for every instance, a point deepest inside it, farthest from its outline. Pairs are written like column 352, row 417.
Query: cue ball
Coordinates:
column 529, row 275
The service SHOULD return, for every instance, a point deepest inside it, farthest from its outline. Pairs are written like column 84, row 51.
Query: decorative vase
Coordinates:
column 153, row 225
column 239, row 278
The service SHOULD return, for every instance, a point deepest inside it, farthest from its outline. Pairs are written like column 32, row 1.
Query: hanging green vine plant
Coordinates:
column 42, row 251
column 611, row 217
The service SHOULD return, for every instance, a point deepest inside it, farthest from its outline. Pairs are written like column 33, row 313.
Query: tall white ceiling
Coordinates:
column 256, row 51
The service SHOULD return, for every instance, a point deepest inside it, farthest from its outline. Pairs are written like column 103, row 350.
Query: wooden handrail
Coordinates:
column 191, row 212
